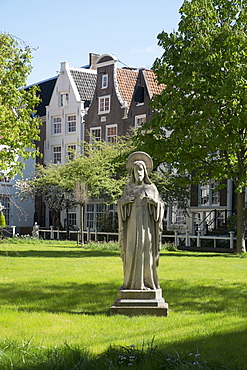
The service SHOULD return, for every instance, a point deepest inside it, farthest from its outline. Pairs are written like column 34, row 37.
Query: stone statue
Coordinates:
column 140, row 214
column 35, row 231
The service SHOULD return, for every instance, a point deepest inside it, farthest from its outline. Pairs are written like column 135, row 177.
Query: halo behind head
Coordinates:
column 139, row 156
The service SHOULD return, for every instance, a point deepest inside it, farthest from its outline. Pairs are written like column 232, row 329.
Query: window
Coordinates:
column 64, row 100
column 72, row 218
column 215, row 194
column 71, row 151
column 95, row 133
column 56, row 125
column 93, row 215
column 208, row 195
column 178, row 215
column 57, row 154
column 104, row 104
column 139, row 120
column 4, row 177
column 90, row 216
column 104, row 81
column 111, row 133
column 204, row 195
column 71, row 122
column 5, row 201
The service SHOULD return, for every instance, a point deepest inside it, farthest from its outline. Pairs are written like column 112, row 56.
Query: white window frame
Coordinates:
column 141, row 118
column 70, row 151
column 104, row 81
column 104, row 104
column 63, row 99
column 5, row 201
column 72, row 219
column 178, row 216
column 71, row 122
column 55, row 154
column 97, row 138
column 93, row 212
column 56, row 125
column 107, row 136
column 208, row 194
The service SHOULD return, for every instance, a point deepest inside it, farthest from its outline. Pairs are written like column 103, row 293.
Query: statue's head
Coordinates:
column 139, row 169
column 139, row 165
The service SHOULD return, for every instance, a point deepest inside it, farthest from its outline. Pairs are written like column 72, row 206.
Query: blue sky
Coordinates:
column 62, row 30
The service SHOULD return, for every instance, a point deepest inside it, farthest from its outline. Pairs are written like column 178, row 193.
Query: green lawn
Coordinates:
column 57, row 293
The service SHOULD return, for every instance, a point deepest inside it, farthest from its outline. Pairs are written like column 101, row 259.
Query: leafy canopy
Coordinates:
column 200, row 122
column 18, row 126
column 100, row 172
column 204, row 105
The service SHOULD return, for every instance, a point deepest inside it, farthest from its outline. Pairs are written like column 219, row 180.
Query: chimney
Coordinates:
column 93, row 59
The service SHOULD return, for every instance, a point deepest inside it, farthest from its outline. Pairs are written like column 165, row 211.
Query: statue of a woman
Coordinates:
column 140, row 213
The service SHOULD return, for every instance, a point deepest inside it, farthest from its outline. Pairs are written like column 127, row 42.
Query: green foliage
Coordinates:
column 2, row 219
column 204, row 104
column 18, row 126
column 26, row 356
column 99, row 172
column 169, row 247
column 101, row 167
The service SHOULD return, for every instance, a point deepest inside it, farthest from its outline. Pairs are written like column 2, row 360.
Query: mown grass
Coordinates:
column 55, row 299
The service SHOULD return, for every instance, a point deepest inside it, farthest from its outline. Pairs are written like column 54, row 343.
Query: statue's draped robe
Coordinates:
column 140, row 225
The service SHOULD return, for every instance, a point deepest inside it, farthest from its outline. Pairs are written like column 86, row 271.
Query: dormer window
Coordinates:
column 64, row 100
column 104, row 82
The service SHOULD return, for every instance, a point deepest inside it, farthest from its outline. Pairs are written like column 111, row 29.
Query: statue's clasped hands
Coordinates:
column 129, row 199
column 151, row 201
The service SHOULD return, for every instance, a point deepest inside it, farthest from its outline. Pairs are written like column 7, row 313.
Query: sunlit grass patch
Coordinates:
column 62, row 293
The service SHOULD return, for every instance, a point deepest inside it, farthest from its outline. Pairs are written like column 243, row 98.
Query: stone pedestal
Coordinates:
column 139, row 302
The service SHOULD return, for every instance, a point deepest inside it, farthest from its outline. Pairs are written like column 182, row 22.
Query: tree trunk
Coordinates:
column 82, row 225
column 55, row 216
column 240, row 223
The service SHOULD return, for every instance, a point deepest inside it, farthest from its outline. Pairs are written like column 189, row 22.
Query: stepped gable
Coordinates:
column 154, row 88
column 85, row 83
column 126, row 81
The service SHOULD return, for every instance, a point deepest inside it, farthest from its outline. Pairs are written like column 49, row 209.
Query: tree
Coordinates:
column 18, row 126
column 101, row 168
column 200, row 122
column 47, row 183
column 99, row 172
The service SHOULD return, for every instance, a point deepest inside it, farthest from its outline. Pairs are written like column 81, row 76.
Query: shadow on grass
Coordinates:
column 92, row 299
column 14, row 252
column 89, row 298
column 196, row 254
column 183, row 297
column 220, row 351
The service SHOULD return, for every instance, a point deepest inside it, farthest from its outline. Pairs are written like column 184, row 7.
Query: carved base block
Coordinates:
column 140, row 302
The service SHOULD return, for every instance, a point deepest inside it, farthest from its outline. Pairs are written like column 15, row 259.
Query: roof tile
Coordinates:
column 85, row 83
column 126, row 80
column 154, row 87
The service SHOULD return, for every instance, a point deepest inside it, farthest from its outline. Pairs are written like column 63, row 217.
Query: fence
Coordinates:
column 8, row 231
column 182, row 241
column 202, row 242
column 88, row 235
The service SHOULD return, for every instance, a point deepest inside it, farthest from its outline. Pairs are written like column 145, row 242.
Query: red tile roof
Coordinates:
column 152, row 84
column 126, row 80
